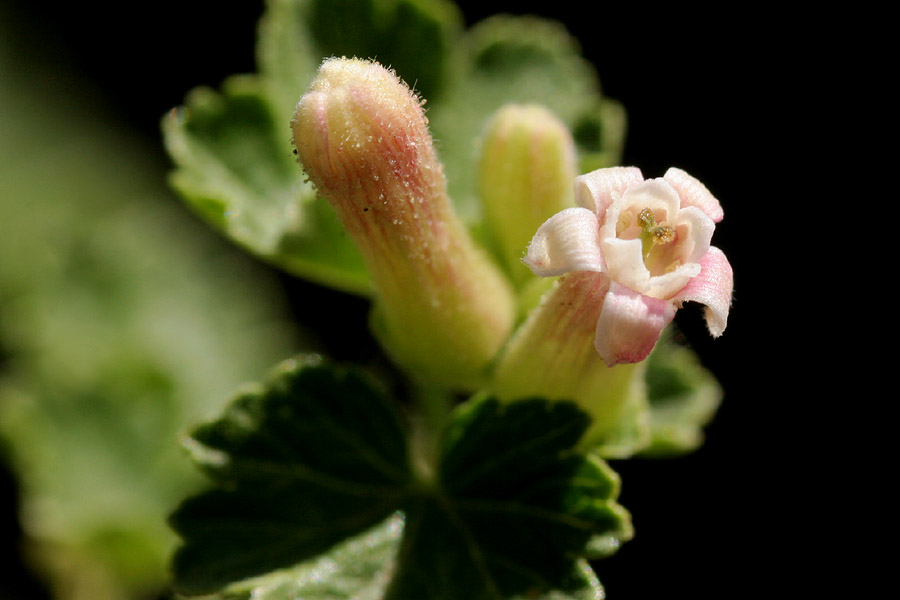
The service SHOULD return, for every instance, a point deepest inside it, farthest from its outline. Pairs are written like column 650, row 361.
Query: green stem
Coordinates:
column 433, row 406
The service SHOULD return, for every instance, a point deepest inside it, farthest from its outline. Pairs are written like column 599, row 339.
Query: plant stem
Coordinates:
column 433, row 406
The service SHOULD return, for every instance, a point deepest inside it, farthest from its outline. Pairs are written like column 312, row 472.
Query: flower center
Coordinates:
column 651, row 233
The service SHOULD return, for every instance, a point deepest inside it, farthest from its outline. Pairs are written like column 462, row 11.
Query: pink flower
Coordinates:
column 651, row 240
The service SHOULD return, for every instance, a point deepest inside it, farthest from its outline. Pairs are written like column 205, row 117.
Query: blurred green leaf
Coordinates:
column 235, row 168
column 683, row 398
column 238, row 174
column 121, row 319
column 414, row 37
column 514, row 60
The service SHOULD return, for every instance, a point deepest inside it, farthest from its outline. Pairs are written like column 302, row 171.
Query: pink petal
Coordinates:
column 694, row 193
column 712, row 287
column 567, row 241
column 594, row 190
column 629, row 325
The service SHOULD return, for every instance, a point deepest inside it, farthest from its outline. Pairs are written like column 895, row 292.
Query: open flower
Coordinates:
column 651, row 240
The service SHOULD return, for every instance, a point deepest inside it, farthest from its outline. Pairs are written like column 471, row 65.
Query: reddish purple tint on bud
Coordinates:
column 442, row 308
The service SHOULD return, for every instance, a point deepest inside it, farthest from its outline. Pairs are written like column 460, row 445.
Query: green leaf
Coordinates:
column 361, row 568
column 237, row 172
column 357, row 568
column 683, row 399
column 232, row 149
column 314, row 457
column 517, row 60
column 307, row 466
column 414, row 37
column 515, row 509
column 600, row 136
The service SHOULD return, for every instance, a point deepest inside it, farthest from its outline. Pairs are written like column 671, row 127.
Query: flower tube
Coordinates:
column 442, row 309
column 552, row 355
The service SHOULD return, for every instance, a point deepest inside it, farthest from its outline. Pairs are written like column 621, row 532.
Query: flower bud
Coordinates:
column 526, row 172
column 552, row 355
column 442, row 308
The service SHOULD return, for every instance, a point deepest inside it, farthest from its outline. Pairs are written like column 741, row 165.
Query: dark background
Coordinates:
column 723, row 96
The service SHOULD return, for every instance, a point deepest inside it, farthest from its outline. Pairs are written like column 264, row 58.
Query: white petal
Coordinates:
column 594, row 190
column 625, row 257
column 694, row 193
column 625, row 262
column 567, row 241
column 667, row 285
column 654, row 194
column 701, row 232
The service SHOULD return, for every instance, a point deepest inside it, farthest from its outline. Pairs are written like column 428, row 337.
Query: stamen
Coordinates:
column 646, row 219
column 651, row 233
column 663, row 234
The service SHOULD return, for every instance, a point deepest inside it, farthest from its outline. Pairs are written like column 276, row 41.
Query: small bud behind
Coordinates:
column 442, row 308
column 526, row 172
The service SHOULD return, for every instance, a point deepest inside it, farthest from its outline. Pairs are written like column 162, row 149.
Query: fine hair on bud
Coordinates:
column 442, row 309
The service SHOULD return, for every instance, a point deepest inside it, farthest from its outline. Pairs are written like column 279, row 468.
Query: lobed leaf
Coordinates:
column 238, row 174
column 361, row 568
column 356, row 569
column 516, row 510
column 309, row 465
column 316, row 456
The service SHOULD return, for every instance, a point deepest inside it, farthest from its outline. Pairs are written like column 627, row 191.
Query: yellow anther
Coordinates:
column 646, row 219
column 663, row 234
column 651, row 233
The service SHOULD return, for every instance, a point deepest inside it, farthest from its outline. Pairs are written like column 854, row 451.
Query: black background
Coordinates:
column 723, row 95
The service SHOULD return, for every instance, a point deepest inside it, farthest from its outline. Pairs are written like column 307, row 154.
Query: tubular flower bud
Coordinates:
column 442, row 309
column 651, row 240
column 526, row 169
column 552, row 355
